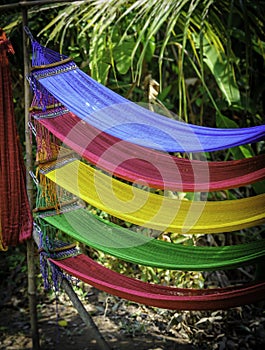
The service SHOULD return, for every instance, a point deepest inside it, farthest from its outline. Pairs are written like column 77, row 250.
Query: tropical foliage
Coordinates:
column 201, row 60
column 207, row 55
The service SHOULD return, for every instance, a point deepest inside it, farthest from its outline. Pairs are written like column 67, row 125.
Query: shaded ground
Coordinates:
column 124, row 325
column 120, row 329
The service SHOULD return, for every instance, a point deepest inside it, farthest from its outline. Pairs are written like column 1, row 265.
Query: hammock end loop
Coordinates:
column 28, row 32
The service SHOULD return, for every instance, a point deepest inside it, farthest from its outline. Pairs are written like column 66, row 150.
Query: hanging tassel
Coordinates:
column 50, row 247
column 45, row 62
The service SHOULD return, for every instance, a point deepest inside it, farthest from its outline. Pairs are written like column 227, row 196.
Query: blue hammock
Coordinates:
column 57, row 75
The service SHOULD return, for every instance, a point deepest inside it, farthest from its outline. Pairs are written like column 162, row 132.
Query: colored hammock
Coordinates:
column 89, row 271
column 155, row 211
column 135, row 163
column 56, row 74
column 15, row 214
column 111, row 118
column 139, row 249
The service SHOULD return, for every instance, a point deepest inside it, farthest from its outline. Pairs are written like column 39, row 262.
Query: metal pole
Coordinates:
column 30, row 190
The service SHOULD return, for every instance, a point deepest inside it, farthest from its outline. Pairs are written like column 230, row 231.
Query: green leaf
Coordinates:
column 122, row 56
column 150, row 50
column 100, row 60
column 259, row 187
column 62, row 323
column 221, row 69
column 244, row 151
column 163, row 94
column 121, row 50
column 224, row 76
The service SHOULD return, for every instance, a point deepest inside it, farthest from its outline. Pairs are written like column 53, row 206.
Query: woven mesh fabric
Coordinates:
column 16, row 219
column 155, row 211
column 133, row 163
column 91, row 272
column 137, row 248
column 113, row 114
column 114, row 118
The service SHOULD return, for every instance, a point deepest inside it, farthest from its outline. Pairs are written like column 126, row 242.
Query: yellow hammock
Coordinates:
column 155, row 211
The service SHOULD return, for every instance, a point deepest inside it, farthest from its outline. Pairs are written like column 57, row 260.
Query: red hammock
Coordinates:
column 89, row 271
column 16, row 219
column 133, row 163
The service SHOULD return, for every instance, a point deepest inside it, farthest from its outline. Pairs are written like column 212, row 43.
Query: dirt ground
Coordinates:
column 124, row 325
column 64, row 330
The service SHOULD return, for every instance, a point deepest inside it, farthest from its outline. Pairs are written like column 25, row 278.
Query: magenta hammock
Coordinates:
column 135, row 163
column 15, row 214
column 89, row 271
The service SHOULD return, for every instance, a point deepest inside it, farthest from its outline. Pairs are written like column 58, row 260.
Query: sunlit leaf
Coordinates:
column 121, row 55
column 222, row 71
column 63, row 323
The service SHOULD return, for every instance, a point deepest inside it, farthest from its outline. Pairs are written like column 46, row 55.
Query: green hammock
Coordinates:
column 137, row 248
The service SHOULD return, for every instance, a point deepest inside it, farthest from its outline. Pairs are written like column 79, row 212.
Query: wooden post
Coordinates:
column 32, row 295
column 87, row 319
column 83, row 313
